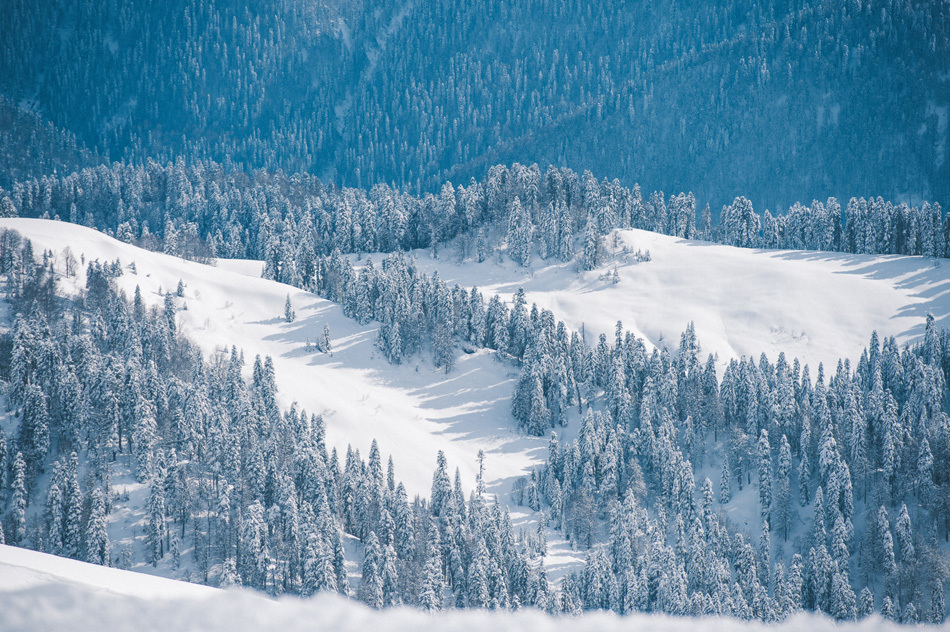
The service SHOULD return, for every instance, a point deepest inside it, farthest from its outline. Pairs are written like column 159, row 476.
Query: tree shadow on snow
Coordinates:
column 469, row 404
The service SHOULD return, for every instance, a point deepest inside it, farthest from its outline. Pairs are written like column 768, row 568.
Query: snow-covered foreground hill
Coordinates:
column 413, row 410
column 42, row 592
column 817, row 306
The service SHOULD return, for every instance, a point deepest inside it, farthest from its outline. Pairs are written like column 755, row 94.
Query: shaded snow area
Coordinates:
column 413, row 409
column 42, row 592
column 817, row 306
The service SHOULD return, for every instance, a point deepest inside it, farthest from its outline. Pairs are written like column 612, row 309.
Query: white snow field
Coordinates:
column 817, row 306
column 41, row 592
column 22, row 570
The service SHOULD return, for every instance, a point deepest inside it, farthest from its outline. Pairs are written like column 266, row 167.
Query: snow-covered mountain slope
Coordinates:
column 44, row 592
column 817, row 306
column 413, row 410
column 22, row 570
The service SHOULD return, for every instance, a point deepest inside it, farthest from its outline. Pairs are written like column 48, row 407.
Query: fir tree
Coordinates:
column 96, row 536
column 289, row 314
column 18, row 501
column 725, row 487
column 371, row 585
column 155, row 531
column 865, row 606
column 591, row 255
column 34, row 433
column 782, row 506
column 764, row 452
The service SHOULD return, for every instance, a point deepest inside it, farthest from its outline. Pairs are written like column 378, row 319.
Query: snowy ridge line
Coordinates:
column 23, row 570
column 44, row 592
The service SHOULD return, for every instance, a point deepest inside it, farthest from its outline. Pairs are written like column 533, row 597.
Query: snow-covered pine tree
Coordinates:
column 97, row 550
column 289, row 314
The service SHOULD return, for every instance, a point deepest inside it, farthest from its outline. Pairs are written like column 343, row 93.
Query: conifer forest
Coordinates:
column 381, row 303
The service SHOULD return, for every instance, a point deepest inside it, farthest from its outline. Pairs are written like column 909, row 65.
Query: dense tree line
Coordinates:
column 782, row 100
column 205, row 211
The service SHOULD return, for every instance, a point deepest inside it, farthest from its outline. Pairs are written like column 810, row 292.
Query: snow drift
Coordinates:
column 44, row 592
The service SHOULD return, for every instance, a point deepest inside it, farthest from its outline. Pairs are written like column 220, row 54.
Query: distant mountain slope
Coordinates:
column 30, row 146
column 779, row 101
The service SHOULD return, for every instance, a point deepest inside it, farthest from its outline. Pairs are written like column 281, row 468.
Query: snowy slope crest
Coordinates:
column 44, row 592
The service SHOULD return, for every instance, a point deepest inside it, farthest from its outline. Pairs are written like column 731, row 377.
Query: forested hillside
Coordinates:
column 780, row 101
column 374, row 166
column 849, row 472
column 106, row 387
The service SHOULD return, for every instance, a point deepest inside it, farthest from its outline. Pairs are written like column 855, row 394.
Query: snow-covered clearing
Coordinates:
column 44, row 592
column 817, row 306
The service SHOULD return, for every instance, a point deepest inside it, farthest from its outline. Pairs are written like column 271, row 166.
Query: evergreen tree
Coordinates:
column 72, row 509
column 764, row 453
column 54, row 518
column 843, row 603
column 96, row 536
column 725, row 487
column 18, row 501
column 865, row 606
column 33, row 439
column 905, row 538
column 371, row 584
column 782, row 506
column 441, row 488
column 155, row 531
column 430, row 594
column 519, row 233
column 937, row 605
column 591, row 255
column 289, row 314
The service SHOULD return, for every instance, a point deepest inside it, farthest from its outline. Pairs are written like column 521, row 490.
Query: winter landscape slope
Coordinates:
column 412, row 410
column 816, row 306
column 22, row 570
column 45, row 592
